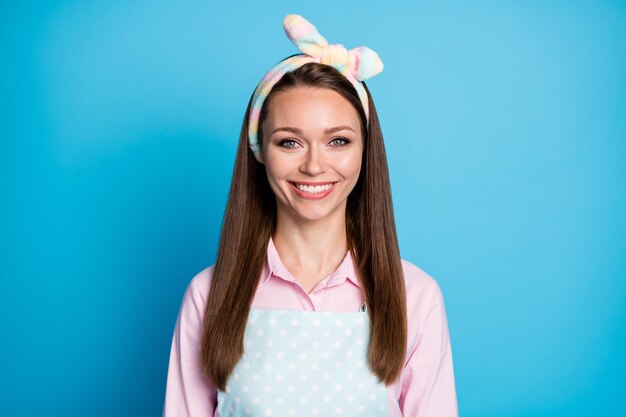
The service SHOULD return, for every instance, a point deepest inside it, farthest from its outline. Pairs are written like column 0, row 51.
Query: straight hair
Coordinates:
column 250, row 220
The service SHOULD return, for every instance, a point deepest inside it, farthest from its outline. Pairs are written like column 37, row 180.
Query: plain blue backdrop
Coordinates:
column 505, row 129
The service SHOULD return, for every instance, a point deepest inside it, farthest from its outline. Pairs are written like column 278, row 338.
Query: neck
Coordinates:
column 311, row 248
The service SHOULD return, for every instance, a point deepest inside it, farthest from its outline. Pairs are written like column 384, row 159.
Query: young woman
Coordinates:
column 309, row 309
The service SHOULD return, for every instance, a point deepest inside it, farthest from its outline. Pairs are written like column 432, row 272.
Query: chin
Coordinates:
column 314, row 213
column 311, row 215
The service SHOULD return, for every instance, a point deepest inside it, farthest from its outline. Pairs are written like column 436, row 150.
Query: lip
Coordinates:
column 313, row 183
column 308, row 196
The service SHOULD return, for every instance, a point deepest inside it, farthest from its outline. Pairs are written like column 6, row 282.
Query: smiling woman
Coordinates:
column 309, row 309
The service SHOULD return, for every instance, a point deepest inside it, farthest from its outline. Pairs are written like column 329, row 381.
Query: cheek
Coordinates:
column 274, row 175
column 350, row 167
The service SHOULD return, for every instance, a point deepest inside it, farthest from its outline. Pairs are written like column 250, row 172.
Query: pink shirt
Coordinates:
column 426, row 387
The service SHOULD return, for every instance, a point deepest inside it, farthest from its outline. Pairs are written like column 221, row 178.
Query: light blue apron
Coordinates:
column 304, row 363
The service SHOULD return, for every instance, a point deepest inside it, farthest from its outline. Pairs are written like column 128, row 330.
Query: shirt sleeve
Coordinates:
column 428, row 387
column 188, row 392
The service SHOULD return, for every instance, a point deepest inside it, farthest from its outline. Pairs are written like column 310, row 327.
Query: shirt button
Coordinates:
column 317, row 292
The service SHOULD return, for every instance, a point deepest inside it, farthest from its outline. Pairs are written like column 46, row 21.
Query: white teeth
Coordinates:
column 313, row 190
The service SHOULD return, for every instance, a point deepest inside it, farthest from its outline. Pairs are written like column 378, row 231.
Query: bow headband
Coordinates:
column 356, row 65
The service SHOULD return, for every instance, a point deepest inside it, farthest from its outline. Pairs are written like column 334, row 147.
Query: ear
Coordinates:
column 259, row 156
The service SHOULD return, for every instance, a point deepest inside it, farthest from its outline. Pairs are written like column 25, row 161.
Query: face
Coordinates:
column 312, row 149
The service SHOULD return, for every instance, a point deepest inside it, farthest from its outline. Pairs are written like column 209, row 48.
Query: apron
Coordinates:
column 304, row 363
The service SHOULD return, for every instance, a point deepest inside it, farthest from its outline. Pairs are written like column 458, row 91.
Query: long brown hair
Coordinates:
column 250, row 220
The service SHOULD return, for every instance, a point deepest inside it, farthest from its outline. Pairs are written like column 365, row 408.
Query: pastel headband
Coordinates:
column 356, row 65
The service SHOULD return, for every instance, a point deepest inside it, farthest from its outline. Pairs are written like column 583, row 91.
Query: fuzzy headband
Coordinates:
column 356, row 65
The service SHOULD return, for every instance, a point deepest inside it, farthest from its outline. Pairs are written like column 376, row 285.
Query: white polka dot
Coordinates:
column 338, row 410
column 303, row 355
column 349, row 332
column 280, row 355
column 349, row 353
column 293, row 344
column 326, row 376
column 267, row 389
column 326, row 399
column 361, row 386
column 248, row 411
column 236, row 377
column 325, row 355
column 304, row 333
column 315, row 366
column 246, row 365
column 280, row 378
column 279, row 400
column 268, row 412
column 359, row 320
column 350, row 398
column 227, row 388
column 291, row 388
column 337, row 343
column 349, row 375
column 338, row 387
column 337, row 364
column 237, row 400
column 257, row 355
column 372, row 397
column 259, row 332
column 315, row 411
column 291, row 366
column 316, row 322
column 327, row 333
column 361, row 408
column 269, row 343
column 256, row 400
column 268, row 366
column 315, row 388
column 248, row 344
column 315, row 344
column 271, row 322
column 282, row 311
column 245, row 388
column 303, row 400
column 302, row 377
column 359, row 342
column 256, row 377
column 381, row 407
column 292, row 412
column 338, row 322
column 360, row 364
column 294, row 322
column 282, row 332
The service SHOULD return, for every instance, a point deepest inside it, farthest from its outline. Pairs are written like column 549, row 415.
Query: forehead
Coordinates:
column 311, row 107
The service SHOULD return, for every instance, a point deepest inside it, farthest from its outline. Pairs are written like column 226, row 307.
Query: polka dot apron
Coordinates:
column 304, row 363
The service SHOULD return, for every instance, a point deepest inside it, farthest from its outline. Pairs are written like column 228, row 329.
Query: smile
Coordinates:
column 313, row 191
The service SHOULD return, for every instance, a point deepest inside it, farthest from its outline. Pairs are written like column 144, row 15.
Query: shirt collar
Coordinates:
column 274, row 266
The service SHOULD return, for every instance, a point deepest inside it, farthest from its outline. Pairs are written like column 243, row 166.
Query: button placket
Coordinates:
column 315, row 297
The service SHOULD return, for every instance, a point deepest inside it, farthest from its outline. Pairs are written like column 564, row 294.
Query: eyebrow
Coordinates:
column 299, row 131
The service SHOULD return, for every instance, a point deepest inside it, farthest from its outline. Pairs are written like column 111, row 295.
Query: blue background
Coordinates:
column 505, row 129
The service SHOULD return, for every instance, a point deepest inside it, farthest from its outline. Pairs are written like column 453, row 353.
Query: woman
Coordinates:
column 309, row 309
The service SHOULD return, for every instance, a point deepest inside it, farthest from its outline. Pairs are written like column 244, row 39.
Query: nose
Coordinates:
column 314, row 162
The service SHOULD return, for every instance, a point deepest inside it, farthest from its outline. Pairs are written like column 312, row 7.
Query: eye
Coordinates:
column 340, row 141
column 288, row 143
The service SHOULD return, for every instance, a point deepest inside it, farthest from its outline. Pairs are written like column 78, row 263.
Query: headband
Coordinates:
column 356, row 65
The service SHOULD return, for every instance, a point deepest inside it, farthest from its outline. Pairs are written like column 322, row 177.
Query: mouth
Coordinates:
column 313, row 191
